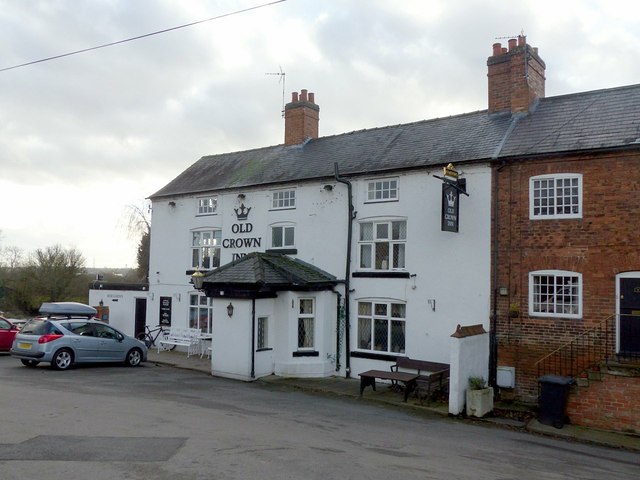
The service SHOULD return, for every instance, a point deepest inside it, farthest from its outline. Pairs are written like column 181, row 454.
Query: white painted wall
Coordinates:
column 322, row 365
column 469, row 358
column 231, row 343
column 453, row 269
column 320, row 218
column 122, row 307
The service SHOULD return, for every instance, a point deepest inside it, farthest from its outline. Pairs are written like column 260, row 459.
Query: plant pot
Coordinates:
column 479, row 402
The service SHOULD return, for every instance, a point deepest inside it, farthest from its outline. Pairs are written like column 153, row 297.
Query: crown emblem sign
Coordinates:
column 451, row 199
column 242, row 213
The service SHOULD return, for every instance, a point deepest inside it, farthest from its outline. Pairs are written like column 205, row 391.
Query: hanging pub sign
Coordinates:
column 452, row 187
column 450, row 208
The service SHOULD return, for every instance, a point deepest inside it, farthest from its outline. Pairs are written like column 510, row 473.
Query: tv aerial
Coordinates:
column 280, row 74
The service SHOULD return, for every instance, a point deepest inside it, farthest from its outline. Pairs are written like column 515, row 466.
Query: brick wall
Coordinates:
column 301, row 118
column 613, row 403
column 601, row 244
column 516, row 77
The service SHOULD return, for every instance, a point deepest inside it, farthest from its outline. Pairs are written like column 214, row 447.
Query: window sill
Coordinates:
column 306, row 353
column 381, row 274
column 286, row 251
column 555, row 316
column 264, row 349
column 554, row 217
column 386, row 200
column 387, row 357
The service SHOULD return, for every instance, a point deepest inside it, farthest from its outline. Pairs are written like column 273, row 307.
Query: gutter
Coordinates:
column 347, row 276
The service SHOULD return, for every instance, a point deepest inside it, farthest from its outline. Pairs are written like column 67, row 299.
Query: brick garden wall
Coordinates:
column 613, row 403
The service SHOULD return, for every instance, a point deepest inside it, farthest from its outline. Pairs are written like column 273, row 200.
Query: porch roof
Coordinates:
column 261, row 274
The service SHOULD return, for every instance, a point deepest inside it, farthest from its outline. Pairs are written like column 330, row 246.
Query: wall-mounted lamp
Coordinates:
column 197, row 278
column 241, row 196
column 230, row 309
column 328, row 188
column 172, row 204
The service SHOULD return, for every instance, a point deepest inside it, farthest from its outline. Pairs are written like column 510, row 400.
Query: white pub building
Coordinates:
column 329, row 255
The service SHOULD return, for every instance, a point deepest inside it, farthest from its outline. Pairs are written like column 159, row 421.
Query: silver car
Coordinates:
column 68, row 335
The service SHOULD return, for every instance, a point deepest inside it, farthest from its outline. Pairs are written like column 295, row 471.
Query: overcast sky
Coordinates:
column 86, row 135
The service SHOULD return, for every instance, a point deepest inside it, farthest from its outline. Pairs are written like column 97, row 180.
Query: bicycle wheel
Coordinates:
column 145, row 338
column 170, row 347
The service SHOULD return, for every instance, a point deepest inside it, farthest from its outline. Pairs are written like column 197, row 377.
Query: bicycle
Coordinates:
column 149, row 338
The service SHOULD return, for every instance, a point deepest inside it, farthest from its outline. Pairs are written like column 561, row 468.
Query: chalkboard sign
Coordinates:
column 165, row 311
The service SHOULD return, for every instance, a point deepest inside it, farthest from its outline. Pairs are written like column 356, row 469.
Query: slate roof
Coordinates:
column 472, row 136
column 599, row 119
column 271, row 270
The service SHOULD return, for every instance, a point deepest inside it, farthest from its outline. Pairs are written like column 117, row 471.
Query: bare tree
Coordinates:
column 12, row 257
column 138, row 224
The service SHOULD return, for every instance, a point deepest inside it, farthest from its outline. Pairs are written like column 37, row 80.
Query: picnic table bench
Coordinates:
column 368, row 378
column 431, row 376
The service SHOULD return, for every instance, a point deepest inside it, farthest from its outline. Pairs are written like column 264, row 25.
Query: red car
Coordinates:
column 7, row 331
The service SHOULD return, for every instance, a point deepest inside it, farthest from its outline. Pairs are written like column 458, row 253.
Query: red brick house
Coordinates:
column 566, row 244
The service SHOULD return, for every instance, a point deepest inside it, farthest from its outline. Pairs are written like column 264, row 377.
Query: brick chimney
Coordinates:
column 515, row 83
column 301, row 118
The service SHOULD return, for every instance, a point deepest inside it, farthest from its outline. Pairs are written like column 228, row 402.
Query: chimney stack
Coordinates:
column 301, row 118
column 516, row 76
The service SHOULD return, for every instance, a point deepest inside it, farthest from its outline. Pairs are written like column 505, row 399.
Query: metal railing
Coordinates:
column 593, row 347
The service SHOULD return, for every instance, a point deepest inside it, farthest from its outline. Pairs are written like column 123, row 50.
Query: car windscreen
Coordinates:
column 38, row 327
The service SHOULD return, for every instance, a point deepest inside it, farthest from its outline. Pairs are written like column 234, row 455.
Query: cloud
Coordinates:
column 118, row 123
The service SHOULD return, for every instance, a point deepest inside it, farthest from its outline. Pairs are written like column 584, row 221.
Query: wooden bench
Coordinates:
column 181, row 337
column 432, row 376
column 368, row 378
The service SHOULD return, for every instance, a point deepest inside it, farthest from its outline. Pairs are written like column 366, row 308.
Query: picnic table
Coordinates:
column 409, row 380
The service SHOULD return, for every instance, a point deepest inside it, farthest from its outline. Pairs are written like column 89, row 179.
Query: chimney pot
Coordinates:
column 512, row 43
column 497, row 49
column 312, row 97
column 294, row 97
column 303, row 95
column 504, row 49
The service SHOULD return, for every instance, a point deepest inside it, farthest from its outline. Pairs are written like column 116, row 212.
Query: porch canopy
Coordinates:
column 262, row 275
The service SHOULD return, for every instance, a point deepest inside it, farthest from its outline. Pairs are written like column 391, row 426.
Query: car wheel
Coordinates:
column 29, row 363
column 62, row 360
column 134, row 357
